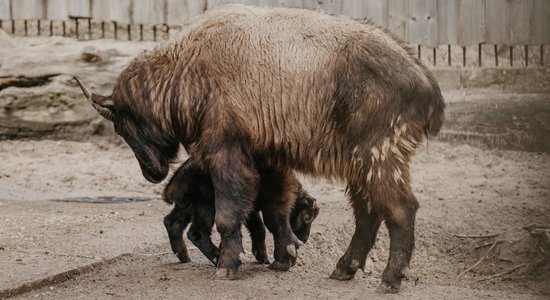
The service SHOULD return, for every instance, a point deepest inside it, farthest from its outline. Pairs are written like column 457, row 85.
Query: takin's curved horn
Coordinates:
column 103, row 111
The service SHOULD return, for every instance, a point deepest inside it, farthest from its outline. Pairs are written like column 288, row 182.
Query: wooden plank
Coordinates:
column 397, row 17
column 5, row 11
column 377, row 11
column 149, row 12
column 447, row 22
column 422, row 22
column 101, row 10
column 521, row 14
column 285, row 3
column 540, row 31
column 472, row 22
column 121, row 11
column 497, row 22
column 27, row 9
column 80, row 8
column 353, row 9
column 332, row 7
column 214, row 3
column 270, row 3
column 312, row 5
column 176, row 12
column 57, row 10
column 194, row 9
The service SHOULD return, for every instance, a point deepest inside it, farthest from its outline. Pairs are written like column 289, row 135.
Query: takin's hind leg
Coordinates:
column 400, row 224
column 367, row 223
column 175, row 223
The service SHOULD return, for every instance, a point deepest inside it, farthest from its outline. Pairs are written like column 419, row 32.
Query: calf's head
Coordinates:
column 152, row 147
column 303, row 214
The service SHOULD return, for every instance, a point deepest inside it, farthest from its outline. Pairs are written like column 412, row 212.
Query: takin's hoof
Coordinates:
column 293, row 260
column 214, row 260
column 225, row 274
column 261, row 257
column 385, row 288
column 279, row 266
column 341, row 275
column 184, row 258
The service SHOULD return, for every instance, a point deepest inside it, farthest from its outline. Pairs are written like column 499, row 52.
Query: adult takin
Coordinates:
column 192, row 193
column 255, row 92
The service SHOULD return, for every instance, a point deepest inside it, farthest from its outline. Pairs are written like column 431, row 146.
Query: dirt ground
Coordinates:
column 78, row 220
column 475, row 203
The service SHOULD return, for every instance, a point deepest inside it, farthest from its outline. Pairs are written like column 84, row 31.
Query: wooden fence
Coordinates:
column 428, row 23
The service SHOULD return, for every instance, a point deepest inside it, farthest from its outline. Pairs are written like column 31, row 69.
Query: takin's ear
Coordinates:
column 103, row 101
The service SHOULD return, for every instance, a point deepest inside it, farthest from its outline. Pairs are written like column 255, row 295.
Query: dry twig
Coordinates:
column 501, row 273
column 152, row 254
column 479, row 261
column 476, row 236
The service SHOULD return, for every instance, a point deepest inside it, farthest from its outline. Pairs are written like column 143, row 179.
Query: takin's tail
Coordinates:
column 436, row 114
column 435, row 104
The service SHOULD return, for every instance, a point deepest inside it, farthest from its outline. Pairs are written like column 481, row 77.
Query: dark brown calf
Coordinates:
column 192, row 193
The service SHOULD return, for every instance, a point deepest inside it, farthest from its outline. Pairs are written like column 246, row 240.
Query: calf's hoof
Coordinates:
column 279, row 266
column 225, row 274
column 183, row 257
column 385, row 288
column 339, row 274
column 214, row 260
column 261, row 257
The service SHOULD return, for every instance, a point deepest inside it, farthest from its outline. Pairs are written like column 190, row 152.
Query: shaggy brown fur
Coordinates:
column 256, row 92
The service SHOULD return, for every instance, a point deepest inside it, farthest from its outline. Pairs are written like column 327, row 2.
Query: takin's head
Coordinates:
column 153, row 150
column 303, row 214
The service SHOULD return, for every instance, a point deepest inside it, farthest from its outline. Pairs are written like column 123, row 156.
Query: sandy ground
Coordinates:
column 463, row 190
column 58, row 240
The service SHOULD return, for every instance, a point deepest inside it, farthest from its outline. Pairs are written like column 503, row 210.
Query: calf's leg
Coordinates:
column 276, row 198
column 256, row 227
column 201, row 229
column 175, row 223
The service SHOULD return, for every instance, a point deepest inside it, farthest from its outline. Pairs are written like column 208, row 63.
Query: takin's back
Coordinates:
column 311, row 85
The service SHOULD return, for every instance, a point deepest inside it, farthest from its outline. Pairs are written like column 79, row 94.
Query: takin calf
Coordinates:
column 192, row 193
column 258, row 93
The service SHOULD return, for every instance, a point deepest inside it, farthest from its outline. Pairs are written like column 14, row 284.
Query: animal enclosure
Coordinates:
column 446, row 31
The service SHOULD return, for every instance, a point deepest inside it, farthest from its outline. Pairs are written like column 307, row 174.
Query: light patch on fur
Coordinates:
column 369, row 206
column 379, row 173
column 395, row 150
column 397, row 176
column 242, row 256
column 375, row 153
column 385, row 146
column 403, row 128
column 291, row 249
column 369, row 175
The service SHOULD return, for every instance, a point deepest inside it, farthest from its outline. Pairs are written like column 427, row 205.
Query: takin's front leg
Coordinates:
column 175, row 223
column 367, row 223
column 276, row 199
column 235, row 181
